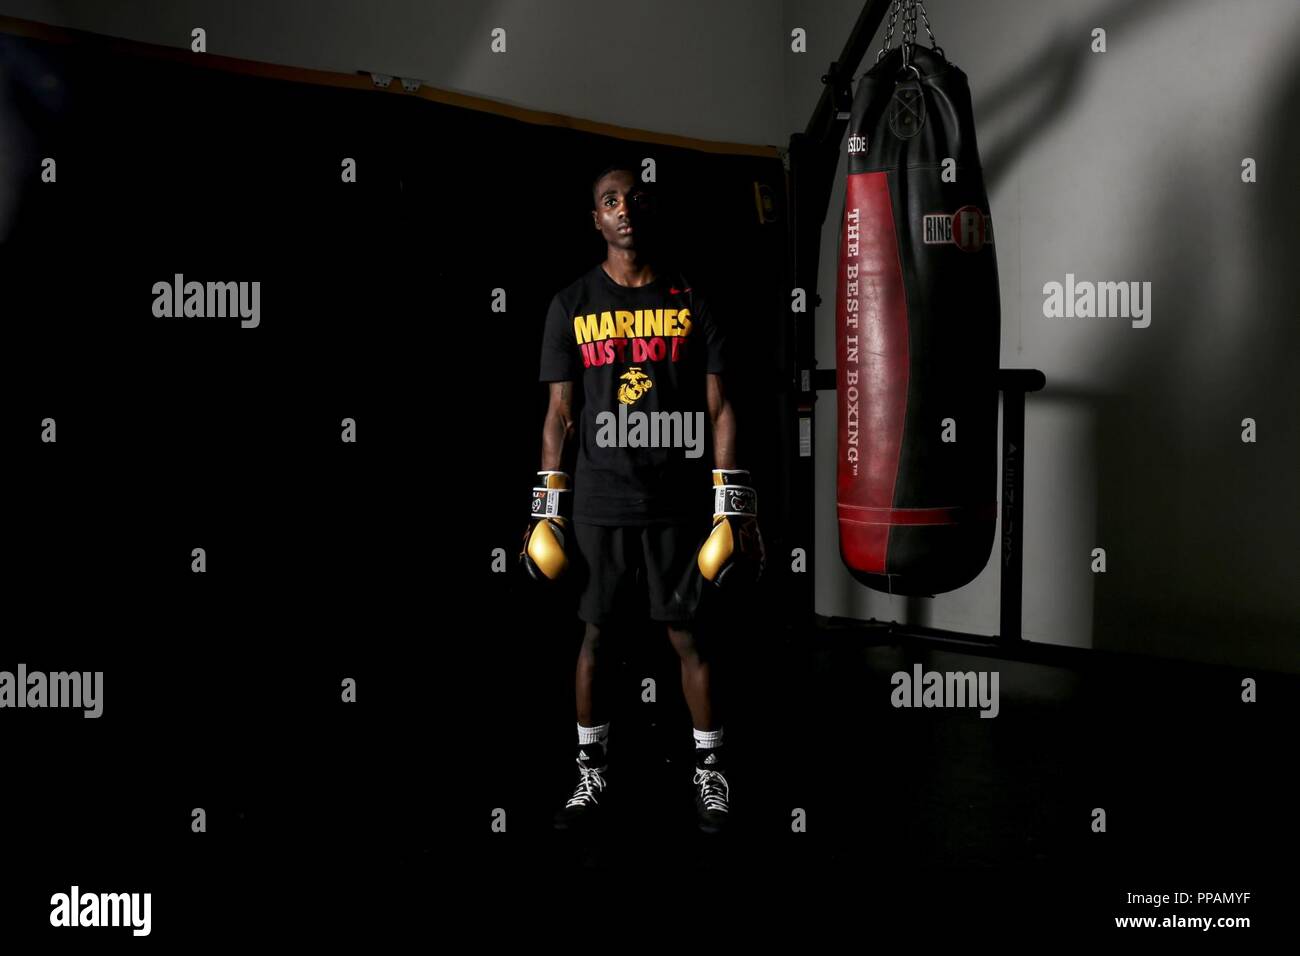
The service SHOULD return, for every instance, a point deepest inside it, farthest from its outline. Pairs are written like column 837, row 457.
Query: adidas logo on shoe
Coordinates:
column 586, row 799
column 711, row 758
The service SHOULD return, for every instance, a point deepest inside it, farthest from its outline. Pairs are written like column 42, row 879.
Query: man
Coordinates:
column 635, row 360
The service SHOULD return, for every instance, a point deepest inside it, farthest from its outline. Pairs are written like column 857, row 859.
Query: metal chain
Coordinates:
column 889, row 30
column 907, row 9
column 925, row 18
column 909, row 32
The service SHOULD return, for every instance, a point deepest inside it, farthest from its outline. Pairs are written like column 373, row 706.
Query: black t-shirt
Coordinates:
column 639, row 357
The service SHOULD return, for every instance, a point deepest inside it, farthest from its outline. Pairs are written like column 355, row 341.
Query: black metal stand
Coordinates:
column 1014, row 383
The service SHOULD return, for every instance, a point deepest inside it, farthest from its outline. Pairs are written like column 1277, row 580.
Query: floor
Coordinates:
column 332, row 822
column 925, row 811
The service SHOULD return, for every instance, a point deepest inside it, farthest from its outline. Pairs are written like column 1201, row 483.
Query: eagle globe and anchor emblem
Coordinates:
column 635, row 384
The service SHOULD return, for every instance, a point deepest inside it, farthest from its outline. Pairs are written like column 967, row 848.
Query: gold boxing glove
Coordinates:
column 733, row 552
column 544, row 554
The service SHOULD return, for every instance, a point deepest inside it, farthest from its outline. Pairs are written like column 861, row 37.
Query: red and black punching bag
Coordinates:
column 918, row 333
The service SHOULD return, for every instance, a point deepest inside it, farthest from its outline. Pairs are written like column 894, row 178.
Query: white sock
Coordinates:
column 593, row 735
column 707, row 739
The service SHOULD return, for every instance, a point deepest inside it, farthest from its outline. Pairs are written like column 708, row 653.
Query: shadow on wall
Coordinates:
column 1202, row 528
column 1051, row 80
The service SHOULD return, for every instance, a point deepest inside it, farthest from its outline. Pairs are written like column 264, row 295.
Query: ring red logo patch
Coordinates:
column 969, row 229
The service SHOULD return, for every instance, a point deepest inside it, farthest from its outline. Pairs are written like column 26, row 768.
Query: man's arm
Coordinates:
column 724, row 424
column 559, row 428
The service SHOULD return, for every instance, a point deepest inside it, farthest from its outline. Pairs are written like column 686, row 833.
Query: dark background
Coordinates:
column 325, row 560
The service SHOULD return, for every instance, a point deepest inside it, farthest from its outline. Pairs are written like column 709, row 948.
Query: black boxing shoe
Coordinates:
column 712, row 792
column 583, row 808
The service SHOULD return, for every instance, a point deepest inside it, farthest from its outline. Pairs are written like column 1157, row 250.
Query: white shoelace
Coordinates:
column 591, row 782
column 714, row 790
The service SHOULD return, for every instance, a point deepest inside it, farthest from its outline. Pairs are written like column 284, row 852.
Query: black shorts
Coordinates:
column 629, row 571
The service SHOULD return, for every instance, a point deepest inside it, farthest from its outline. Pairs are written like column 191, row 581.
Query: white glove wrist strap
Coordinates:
column 546, row 501
column 734, row 500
